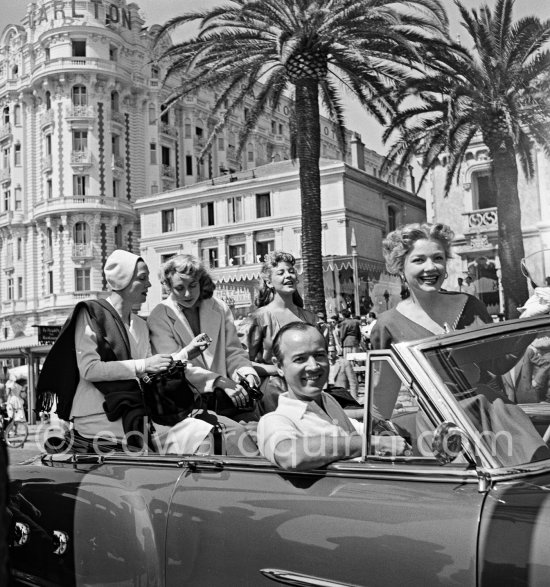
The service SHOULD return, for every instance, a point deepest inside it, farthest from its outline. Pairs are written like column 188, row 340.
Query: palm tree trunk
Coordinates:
column 308, row 147
column 510, row 246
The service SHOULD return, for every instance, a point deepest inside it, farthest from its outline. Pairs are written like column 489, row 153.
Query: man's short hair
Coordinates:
column 297, row 326
column 345, row 313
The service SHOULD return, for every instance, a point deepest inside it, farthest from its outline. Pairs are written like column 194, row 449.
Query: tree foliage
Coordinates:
column 316, row 50
column 498, row 90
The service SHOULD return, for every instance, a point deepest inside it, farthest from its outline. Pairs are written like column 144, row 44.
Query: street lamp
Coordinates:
column 355, row 272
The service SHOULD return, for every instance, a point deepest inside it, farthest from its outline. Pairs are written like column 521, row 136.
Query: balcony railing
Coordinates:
column 46, row 162
column 199, row 141
column 46, row 118
column 79, row 112
column 5, row 131
column 118, row 117
column 83, row 251
column 81, row 158
column 5, row 174
column 166, row 129
column 168, row 171
column 117, row 162
column 481, row 220
column 63, row 64
column 92, row 203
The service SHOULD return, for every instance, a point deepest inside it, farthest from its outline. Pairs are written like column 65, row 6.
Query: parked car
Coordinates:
column 469, row 504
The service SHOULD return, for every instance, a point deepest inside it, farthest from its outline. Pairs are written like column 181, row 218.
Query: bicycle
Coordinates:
column 15, row 432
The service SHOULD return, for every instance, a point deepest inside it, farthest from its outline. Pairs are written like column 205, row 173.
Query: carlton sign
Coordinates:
column 68, row 12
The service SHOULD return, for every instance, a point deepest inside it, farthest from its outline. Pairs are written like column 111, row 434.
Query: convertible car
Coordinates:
column 467, row 504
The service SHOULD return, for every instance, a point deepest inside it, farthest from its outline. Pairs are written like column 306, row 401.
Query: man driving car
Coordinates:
column 309, row 429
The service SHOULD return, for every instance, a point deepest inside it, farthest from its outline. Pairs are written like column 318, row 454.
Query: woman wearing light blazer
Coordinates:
column 178, row 325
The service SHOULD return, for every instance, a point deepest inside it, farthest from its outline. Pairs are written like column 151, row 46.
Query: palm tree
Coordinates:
column 497, row 90
column 310, row 47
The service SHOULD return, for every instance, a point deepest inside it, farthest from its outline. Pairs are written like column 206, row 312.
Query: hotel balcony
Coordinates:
column 64, row 65
column 5, row 174
column 46, row 118
column 168, row 171
column 81, row 158
column 80, row 112
column 9, row 265
column 83, row 251
column 118, row 117
column 17, row 217
column 481, row 232
column 168, row 130
column 117, row 162
column 5, row 131
column 482, row 220
column 6, row 218
column 81, row 204
column 46, row 163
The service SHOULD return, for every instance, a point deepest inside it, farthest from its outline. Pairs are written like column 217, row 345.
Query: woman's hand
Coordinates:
column 157, row 363
column 239, row 396
column 234, row 391
column 197, row 346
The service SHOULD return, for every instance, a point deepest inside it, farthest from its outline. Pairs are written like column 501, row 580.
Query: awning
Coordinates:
column 237, row 273
column 20, row 346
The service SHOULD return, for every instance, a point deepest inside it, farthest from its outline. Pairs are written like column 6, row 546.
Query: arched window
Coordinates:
column 81, row 233
column 17, row 115
column 48, row 100
column 118, row 236
column 6, row 115
column 79, row 96
column 15, row 71
column 49, row 238
column 152, row 114
column 114, row 101
column 155, row 72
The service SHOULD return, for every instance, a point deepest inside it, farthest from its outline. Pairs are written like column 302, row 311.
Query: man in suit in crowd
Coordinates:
column 341, row 373
column 350, row 333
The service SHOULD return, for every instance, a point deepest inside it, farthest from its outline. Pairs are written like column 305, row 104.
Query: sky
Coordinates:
column 158, row 11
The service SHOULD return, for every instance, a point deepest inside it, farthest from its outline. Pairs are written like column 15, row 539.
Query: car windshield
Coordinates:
column 502, row 387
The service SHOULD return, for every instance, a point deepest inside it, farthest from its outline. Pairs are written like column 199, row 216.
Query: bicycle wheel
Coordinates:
column 16, row 433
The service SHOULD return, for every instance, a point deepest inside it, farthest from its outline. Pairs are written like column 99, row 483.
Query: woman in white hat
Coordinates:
column 130, row 352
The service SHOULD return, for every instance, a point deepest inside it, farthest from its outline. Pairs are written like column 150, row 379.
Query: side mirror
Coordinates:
column 447, row 442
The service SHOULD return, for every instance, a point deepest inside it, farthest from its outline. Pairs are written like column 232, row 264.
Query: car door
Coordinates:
column 376, row 521
column 92, row 520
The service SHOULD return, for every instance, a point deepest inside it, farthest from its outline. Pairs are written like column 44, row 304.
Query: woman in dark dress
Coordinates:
column 278, row 304
column 418, row 253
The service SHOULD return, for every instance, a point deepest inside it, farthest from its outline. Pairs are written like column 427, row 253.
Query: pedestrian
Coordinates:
column 350, row 333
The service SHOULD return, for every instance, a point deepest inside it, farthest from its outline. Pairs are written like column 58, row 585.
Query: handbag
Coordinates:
column 168, row 396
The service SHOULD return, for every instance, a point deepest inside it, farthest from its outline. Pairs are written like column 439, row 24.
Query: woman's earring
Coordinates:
column 446, row 275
